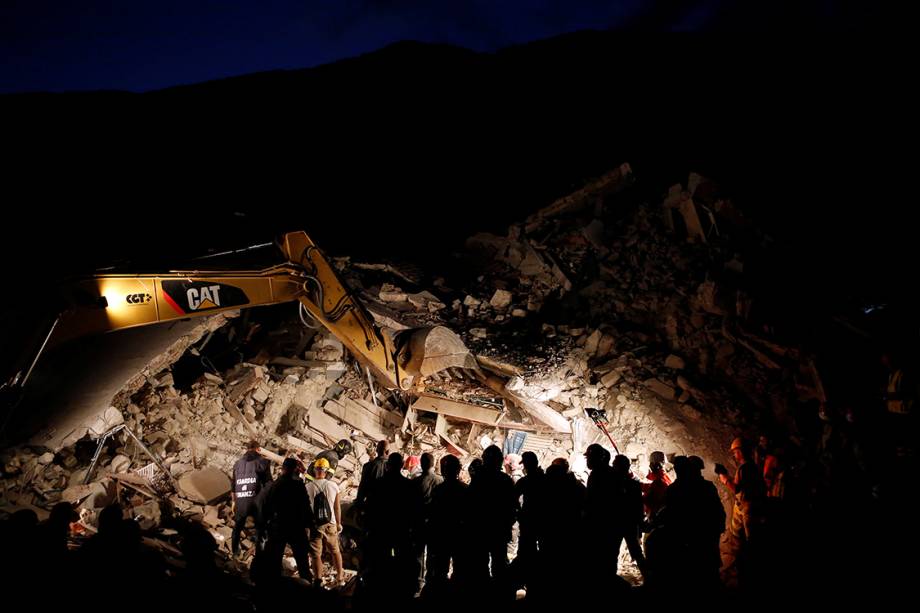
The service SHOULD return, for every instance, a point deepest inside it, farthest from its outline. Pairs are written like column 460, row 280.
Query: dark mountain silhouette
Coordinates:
column 407, row 150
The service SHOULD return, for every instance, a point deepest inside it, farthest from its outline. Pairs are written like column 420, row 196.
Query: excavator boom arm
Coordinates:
column 108, row 302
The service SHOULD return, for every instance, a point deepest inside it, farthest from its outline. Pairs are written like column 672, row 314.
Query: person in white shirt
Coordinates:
column 327, row 514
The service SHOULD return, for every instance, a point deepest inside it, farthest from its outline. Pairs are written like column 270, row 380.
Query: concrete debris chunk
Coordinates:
column 110, row 418
column 391, row 293
column 611, row 378
column 120, row 464
column 205, row 486
column 421, row 300
column 660, row 388
column 461, row 410
column 501, row 299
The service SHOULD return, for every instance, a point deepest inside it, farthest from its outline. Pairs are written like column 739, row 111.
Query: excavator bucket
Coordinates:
column 430, row 350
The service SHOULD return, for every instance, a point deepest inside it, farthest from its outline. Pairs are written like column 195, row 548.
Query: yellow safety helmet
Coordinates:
column 737, row 444
column 321, row 463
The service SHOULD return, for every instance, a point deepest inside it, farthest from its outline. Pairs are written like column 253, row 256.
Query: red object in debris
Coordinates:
column 412, row 462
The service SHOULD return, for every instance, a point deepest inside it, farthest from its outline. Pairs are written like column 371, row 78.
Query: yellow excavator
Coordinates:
column 107, row 302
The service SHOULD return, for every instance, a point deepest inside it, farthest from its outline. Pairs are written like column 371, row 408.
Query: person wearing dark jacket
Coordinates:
column 370, row 473
column 284, row 510
column 394, row 511
column 426, row 482
column 564, row 543
column 601, row 508
column 530, row 490
column 447, row 527
column 685, row 549
column 250, row 474
column 493, row 510
column 628, row 510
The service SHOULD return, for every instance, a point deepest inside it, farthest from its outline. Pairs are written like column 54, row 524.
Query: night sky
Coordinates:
column 139, row 45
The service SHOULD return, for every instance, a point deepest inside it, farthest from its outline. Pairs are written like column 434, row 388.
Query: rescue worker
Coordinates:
column 748, row 490
column 653, row 492
column 285, row 510
column 325, row 500
column 250, row 474
column 332, row 457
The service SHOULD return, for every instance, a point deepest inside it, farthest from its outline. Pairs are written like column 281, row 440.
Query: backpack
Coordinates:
column 321, row 514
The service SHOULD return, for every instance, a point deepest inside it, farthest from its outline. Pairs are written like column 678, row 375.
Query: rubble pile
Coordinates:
column 601, row 301
column 596, row 301
column 188, row 441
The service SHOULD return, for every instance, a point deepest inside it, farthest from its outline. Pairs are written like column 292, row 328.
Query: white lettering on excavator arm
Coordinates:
column 196, row 296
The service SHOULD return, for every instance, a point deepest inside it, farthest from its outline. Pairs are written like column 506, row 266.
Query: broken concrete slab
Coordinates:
column 320, row 421
column 421, row 300
column 390, row 293
column 605, row 345
column 110, row 418
column 278, row 406
column 245, row 383
column 611, row 378
column 501, row 299
column 120, row 464
column 660, row 388
column 357, row 417
column 302, row 445
column 453, row 408
column 499, row 367
column 392, row 418
column 206, row 485
column 535, row 409
column 593, row 341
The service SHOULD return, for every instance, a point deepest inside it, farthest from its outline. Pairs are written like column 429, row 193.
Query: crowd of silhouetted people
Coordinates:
column 483, row 535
